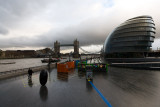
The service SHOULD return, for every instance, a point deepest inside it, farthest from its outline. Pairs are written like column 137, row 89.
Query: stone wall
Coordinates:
column 13, row 73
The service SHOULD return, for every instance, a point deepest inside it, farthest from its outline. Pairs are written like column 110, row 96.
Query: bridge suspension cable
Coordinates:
column 51, row 52
column 88, row 51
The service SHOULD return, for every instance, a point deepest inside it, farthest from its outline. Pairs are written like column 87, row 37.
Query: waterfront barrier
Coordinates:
column 132, row 60
column 142, row 65
column 4, row 63
column 12, row 73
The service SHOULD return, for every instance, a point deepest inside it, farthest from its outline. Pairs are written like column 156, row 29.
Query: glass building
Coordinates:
column 133, row 38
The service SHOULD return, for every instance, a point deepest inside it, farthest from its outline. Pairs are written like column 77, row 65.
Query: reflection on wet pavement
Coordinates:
column 43, row 93
column 135, row 82
column 62, row 76
column 30, row 83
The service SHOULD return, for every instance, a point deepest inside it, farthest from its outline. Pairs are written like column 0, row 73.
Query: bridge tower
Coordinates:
column 56, row 49
column 76, row 48
column 57, row 46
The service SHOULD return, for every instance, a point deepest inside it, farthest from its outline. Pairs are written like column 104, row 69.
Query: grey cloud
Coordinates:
column 73, row 18
column 14, row 12
column 91, row 31
column 3, row 31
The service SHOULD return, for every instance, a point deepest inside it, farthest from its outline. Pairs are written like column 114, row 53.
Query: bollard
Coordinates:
column 43, row 77
column 89, row 72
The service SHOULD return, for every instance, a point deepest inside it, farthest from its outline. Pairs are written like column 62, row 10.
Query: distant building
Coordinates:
column 44, row 52
column 2, row 54
column 20, row 54
column 133, row 38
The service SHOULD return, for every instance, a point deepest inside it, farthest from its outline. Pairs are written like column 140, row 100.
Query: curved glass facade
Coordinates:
column 134, row 35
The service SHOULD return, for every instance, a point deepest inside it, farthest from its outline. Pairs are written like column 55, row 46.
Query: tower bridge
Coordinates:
column 75, row 44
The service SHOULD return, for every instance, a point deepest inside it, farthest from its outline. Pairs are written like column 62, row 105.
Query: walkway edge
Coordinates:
column 14, row 73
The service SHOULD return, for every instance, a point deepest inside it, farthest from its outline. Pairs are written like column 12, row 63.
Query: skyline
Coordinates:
column 35, row 24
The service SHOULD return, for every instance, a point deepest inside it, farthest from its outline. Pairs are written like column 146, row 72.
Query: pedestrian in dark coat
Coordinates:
column 30, row 72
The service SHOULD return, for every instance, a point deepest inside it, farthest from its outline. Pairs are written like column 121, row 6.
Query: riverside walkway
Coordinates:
column 121, row 87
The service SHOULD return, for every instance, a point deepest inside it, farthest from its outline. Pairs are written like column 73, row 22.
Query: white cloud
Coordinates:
column 156, row 44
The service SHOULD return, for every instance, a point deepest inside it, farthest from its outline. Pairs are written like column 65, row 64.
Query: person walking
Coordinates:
column 30, row 73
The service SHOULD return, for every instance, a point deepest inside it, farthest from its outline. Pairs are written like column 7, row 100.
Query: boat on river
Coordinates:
column 51, row 60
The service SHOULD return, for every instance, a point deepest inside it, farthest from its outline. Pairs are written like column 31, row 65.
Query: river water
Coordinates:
column 20, row 63
column 25, row 63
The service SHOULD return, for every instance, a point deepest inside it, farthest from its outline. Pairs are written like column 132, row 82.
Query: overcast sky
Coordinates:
column 35, row 24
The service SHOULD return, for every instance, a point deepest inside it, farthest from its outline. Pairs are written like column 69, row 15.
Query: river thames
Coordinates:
column 24, row 63
column 20, row 63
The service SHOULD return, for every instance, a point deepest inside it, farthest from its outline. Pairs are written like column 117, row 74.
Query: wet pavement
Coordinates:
column 121, row 87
